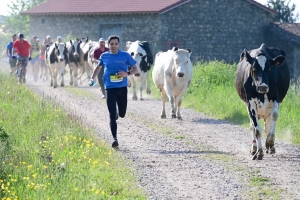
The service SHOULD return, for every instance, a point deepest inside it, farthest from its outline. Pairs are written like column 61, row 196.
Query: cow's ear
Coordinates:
column 189, row 52
column 55, row 45
column 175, row 48
column 279, row 60
column 246, row 55
column 132, row 54
column 71, row 42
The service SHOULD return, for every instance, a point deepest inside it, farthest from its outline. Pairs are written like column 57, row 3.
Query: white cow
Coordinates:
column 56, row 60
column 141, row 53
column 172, row 75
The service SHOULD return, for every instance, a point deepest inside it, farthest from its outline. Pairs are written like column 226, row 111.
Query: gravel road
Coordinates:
column 197, row 158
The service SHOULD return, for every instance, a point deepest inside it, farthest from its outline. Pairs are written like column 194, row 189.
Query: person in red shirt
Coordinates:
column 23, row 50
column 96, row 55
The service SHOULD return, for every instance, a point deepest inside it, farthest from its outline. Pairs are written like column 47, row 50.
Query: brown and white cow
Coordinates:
column 56, row 60
column 172, row 75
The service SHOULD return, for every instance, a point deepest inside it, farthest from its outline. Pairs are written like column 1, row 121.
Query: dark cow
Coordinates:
column 56, row 60
column 262, row 81
column 73, row 47
column 141, row 53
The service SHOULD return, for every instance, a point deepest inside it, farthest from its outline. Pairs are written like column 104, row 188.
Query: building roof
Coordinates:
column 290, row 32
column 104, row 6
column 53, row 7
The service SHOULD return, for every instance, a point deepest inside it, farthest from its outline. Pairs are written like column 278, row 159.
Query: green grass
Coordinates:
column 213, row 92
column 46, row 153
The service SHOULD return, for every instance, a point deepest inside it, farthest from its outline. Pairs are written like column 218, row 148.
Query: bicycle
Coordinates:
column 22, row 63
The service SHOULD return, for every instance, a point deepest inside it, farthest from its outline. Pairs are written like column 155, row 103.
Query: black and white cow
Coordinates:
column 73, row 47
column 141, row 53
column 262, row 81
column 84, row 49
column 56, row 60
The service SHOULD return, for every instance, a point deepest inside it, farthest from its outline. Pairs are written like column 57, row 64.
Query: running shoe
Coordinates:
column 115, row 144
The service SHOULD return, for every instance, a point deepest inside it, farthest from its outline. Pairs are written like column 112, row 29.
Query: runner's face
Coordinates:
column 114, row 45
column 14, row 38
column 21, row 39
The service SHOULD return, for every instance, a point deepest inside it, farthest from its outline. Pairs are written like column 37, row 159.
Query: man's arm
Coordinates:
column 133, row 71
column 96, row 72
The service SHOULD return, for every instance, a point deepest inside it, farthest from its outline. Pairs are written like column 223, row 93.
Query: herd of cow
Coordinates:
column 262, row 79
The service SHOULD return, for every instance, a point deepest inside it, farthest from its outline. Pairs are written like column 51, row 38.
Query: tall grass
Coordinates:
column 46, row 153
column 213, row 92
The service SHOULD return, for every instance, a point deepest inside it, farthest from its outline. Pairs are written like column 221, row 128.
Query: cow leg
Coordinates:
column 256, row 131
column 71, row 74
column 163, row 99
column 51, row 78
column 271, row 123
column 129, row 82
column 55, row 72
column 143, row 79
column 171, row 98
column 177, row 107
column 62, row 74
column 147, row 84
column 75, row 75
column 133, row 85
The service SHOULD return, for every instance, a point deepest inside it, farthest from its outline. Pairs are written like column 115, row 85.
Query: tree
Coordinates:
column 15, row 22
column 33, row 3
column 286, row 12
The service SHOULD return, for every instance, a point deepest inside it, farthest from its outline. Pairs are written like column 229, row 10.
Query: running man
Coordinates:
column 35, row 48
column 115, row 63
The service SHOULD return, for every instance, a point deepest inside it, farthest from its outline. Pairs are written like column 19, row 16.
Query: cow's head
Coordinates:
column 86, row 39
column 181, row 59
column 139, row 55
column 261, row 68
column 75, row 47
column 61, row 51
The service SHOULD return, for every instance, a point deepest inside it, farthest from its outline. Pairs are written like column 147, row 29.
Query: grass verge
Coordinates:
column 46, row 153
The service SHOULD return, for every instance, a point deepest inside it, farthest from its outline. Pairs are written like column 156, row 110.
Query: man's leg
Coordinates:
column 122, row 102
column 111, row 100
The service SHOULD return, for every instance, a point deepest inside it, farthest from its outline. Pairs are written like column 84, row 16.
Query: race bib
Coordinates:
column 115, row 77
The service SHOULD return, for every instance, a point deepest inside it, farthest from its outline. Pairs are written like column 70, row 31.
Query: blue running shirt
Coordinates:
column 112, row 64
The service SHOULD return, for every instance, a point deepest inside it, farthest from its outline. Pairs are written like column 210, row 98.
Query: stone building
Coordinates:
column 212, row 29
column 286, row 37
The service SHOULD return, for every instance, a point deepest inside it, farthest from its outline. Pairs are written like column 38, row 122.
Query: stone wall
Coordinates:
column 211, row 29
column 274, row 38
column 215, row 29
column 134, row 27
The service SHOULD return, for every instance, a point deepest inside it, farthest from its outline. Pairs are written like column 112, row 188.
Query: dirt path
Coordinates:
column 197, row 158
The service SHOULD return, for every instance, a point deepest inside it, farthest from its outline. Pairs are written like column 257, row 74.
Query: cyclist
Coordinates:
column 23, row 50
column 35, row 48
column 9, row 47
column 115, row 63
